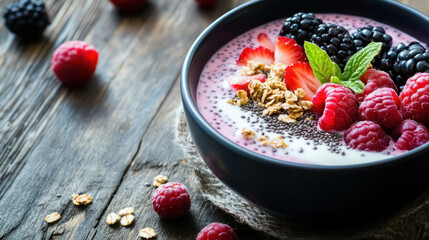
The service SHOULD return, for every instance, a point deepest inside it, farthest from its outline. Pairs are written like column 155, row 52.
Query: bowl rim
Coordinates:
column 253, row 156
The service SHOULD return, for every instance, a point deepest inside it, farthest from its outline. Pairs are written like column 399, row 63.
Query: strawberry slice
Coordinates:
column 288, row 51
column 243, row 82
column 259, row 54
column 266, row 42
column 300, row 75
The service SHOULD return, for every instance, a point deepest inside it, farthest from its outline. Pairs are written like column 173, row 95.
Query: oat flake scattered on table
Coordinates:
column 126, row 211
column 127, row 220
column 147, row 233
column 83, row 199
column 112, row 218
column 159, row 180
column 53, row 217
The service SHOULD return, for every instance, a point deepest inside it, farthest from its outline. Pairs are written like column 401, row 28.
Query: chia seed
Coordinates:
column 302, row 128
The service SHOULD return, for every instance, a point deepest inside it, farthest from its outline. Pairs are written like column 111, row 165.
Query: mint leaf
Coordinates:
column 327, row 71
column 337, row 71
column 356, row 86
column 335, row 79
column 319, row 61
column 358, row 63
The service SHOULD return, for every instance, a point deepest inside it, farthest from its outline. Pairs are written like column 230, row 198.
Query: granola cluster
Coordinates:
column 277, row 142
column 247, row 133
column 273, row 94
column 83, row 199
column 254, row 67
column 159, row 180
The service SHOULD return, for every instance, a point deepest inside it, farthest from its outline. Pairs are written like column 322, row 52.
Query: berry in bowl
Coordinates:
column 314, row 112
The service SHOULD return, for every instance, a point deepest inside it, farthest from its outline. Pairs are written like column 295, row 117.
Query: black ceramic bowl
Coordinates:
column 302, row 191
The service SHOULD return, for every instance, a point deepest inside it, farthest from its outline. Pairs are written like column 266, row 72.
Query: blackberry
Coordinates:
column 336, row 41
column 300, row 27
column 402, row 62
column 26, row 18
column 364, row 36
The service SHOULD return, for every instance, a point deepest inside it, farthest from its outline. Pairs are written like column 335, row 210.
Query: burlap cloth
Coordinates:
column 410, row 223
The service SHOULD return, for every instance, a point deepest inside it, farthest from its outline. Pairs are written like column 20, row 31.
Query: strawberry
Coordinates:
column 288, row 51
column 243, row 82
column 259, row 54
column 300, row 75
column 266, row 42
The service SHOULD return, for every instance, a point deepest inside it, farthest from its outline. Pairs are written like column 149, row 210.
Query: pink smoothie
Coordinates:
column 214, row 89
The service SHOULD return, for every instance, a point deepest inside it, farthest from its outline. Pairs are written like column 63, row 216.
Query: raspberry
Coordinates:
column 415, row 98
column 374, row 79
column 336, row 106
column 382, row 107
column 366, row 136
column 74, row 62
column 171, row 201
column 217, row 231
column 206, row 3
column 410, row 134
column 129, row 5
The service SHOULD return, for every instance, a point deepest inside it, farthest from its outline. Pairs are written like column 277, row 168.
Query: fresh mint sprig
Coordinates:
column 327, row 71
column 320, row 62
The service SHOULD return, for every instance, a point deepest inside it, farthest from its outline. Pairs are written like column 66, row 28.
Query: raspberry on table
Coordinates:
column 410, row 134
column 374, row 79
column 206, row 3
column 383, row 107
column 415, row 98
column 129, row 5
column 171, row 201
column 366, row 136
column 26, row 18
column 74, row 62
column 217, row 231
column 336, row 106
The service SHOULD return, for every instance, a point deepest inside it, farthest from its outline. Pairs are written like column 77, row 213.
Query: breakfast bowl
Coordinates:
column 295, row 190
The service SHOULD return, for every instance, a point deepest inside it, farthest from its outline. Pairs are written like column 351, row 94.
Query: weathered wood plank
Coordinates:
column 165, row 159
column 62, row 141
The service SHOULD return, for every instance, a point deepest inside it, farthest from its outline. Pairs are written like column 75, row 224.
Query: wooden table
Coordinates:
column 108, row 138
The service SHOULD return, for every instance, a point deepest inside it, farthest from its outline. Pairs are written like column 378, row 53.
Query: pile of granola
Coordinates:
column 272, row 94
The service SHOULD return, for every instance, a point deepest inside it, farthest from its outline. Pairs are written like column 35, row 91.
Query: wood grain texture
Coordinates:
column 108, row 138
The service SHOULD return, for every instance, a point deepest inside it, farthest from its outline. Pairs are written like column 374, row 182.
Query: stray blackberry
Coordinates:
column 364, row 36
column 402, row 62
column 336, row 41
column 300, row 27
column 26, row 18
